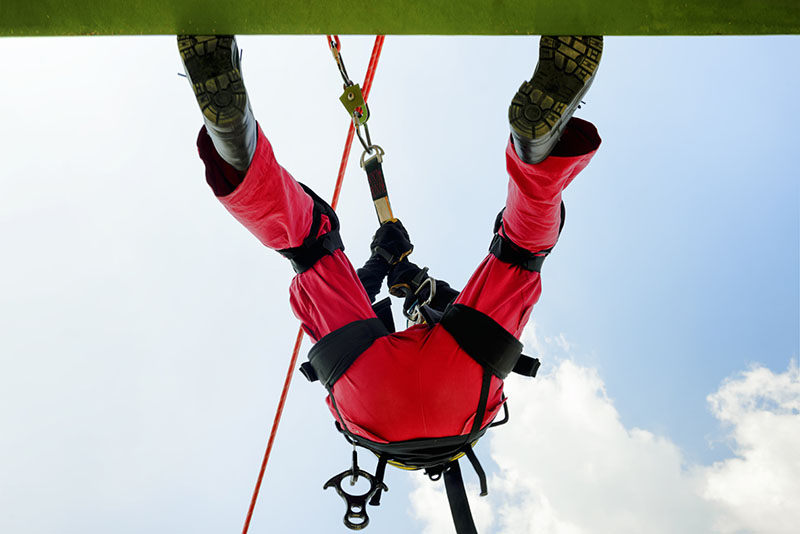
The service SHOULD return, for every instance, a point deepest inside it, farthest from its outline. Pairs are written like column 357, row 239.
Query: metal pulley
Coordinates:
column 354, row 103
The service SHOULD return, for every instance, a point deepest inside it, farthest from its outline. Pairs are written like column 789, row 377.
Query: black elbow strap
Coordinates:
column 314, row 248
column 508, row 252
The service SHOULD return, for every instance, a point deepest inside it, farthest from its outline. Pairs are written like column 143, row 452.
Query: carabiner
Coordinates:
column 414, row 312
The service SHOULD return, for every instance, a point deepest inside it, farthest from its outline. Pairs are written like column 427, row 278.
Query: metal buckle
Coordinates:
column 378, row 154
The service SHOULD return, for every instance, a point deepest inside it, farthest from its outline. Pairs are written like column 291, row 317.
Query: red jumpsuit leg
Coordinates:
column 531, row 220
column 423, row 383
column 276, row 210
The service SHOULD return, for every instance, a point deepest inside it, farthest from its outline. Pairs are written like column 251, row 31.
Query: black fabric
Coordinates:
column 380, row 472
column 391, row 242
column 375, row 178
column 480, row 411
column 372, row 274
column 507, row 251
column 476, row 465
column 504, row 420
column 332, row 355
column 483, row 339
column 404, row 279
column 308, row 372
column 444, row 296
column 383, row 310
column 315, row 248
column 423, row 453
column 457, row 497
column 527, row 366
column 400, row 279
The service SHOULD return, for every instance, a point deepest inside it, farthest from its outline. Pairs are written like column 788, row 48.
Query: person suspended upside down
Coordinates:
column 385, row 387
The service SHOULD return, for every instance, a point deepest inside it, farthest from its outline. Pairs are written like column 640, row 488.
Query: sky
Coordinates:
column 144, row 335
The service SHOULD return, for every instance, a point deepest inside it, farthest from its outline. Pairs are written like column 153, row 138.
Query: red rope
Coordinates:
column 373, row 64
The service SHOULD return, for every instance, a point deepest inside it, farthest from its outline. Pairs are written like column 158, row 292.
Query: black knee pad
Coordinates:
column 314, row 248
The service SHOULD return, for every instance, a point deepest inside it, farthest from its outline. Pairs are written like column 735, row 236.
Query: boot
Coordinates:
column 211, row 63
column 542, row 107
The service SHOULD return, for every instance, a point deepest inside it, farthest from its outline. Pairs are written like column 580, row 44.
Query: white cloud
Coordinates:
column 569, row 466
column 759, row 489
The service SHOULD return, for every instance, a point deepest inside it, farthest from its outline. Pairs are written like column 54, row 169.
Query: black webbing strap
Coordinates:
column 383, row 309
column 504, row 250
column 480, row 411
column 526, row 366
column 457, row 497
column 315, row 248
column 476, row 465
column 380, row 472
column 332, row 355
column 487, row 342
column 509, row 252
column 375, row 178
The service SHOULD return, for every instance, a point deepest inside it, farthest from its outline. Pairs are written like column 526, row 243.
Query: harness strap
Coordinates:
column 476, row 465
column 480, row 336
column 332, row 355
column 383, row 309
column 315, row 248
column 507, row 251
column 527, row 366
column 483, row 339
column 487, row 342
column 457, row 497
column 380, row 197
column 380, row 472
column 480, row 411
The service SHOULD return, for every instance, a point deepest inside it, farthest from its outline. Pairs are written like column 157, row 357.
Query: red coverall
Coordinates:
column 416, row 383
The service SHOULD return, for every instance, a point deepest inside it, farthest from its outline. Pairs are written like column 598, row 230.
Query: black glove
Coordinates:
column 391, row 242
column 403, row 278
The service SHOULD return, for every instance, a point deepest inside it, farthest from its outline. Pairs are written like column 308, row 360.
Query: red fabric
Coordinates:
column 416, row 383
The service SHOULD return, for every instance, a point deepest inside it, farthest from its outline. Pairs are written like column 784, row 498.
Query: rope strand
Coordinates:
column 373, row 64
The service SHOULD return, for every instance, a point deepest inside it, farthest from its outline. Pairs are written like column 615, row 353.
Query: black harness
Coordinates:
column 497, row 351
column 314, row 248
column 484, row 340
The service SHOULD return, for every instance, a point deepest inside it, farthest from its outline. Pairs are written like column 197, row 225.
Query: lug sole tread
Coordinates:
column 542, row 106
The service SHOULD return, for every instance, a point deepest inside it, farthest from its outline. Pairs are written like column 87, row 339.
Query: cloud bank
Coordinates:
column 569, row 466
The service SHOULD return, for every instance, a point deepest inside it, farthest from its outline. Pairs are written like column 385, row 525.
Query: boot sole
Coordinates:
column 540, row 110
column 215, row 77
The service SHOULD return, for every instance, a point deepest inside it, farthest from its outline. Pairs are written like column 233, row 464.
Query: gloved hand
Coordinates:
column 405, row 279
column 401, row 278
column 391, row 242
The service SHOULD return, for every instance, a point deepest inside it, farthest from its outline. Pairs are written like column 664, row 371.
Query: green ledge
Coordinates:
column 419, row 17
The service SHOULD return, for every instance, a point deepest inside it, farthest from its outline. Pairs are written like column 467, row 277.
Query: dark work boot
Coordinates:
column 212, row 65
column 542, row 107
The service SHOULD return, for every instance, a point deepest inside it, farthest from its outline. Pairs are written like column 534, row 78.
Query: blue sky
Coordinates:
column 137, row 390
